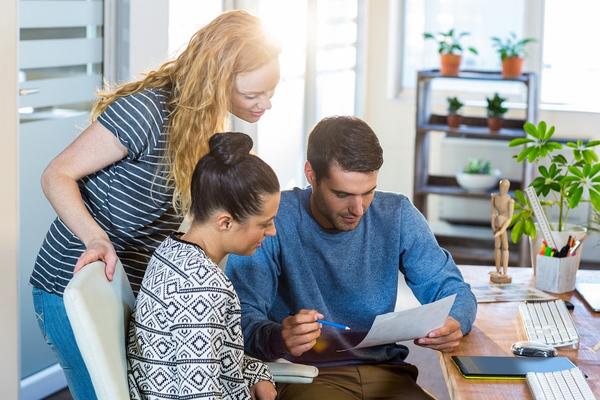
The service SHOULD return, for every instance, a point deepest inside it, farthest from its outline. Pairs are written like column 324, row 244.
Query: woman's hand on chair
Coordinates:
column 99, row 249
column 263, row 390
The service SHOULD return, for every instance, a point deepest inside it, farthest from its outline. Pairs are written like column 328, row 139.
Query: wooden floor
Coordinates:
column 430, row 374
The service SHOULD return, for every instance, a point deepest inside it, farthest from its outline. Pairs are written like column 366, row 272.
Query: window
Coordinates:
column 320, row 47
column 483, row 19
column 186, row 17
column 570, row 75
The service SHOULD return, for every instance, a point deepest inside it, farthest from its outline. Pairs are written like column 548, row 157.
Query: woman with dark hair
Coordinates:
column 185, row 336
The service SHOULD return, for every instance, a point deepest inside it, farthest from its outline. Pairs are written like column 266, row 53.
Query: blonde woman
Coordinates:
column 123, row 185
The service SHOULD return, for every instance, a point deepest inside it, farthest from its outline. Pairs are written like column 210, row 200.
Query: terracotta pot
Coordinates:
column 450, row 64
column 454, row 120
column 512, row 67
column 494, row 123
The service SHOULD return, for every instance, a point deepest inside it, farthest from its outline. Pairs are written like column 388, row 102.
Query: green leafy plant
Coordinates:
column 449, row 42
column 478, row 166
column 495, row 106
column 565, row 179
column 510, row 46
column 454, row 105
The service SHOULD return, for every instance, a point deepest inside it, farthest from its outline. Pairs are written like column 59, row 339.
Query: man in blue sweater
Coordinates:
column 336, row 256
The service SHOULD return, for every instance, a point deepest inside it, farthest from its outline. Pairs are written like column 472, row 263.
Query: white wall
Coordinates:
column 148, row 36
column 393, row 120
column 9, row 348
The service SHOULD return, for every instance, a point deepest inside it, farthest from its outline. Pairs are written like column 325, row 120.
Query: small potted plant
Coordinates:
column 450, row 50
column 495, row 111
column 511, row 51
column 477, row 176
column 566, row 180
column 454, row 118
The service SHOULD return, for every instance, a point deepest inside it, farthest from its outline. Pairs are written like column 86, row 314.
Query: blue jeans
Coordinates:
column 54, row 324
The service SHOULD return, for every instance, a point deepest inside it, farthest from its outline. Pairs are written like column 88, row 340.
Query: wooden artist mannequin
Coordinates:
column 501, row 214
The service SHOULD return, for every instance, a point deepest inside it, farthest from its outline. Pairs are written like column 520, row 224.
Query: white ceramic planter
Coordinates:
column 478, row 182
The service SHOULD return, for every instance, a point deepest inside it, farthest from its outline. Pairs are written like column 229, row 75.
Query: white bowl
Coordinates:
column 478, row 182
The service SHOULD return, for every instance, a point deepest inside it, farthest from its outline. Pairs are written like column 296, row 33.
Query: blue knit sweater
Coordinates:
column 349, row 277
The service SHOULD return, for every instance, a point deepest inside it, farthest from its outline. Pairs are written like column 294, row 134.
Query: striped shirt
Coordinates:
column 129, row 199
column 185, row 334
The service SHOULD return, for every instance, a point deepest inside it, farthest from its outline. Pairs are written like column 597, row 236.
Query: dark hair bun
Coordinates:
column 230, row 147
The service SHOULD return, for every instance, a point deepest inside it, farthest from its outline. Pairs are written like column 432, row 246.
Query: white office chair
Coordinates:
column 99, row 313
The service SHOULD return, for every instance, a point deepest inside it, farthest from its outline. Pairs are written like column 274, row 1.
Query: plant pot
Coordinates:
column 450, row 64
column 494, row 123
column 577, row 231
column 512, row 67
column 478, row 182
column 454, row 120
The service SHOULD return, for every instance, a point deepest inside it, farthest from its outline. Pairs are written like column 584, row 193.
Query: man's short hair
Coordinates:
column 349, row 141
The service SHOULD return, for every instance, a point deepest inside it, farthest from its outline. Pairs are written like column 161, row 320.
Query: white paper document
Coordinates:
column 408, row 324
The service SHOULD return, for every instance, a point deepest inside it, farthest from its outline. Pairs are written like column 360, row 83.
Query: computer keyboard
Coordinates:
column 568, row 384
column 549, row 322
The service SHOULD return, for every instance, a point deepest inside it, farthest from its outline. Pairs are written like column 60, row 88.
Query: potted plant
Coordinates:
column 477, row 175
column 511, row 51
column 450, row 50
column 569, row 175
column 454, row 118
column 495, row 110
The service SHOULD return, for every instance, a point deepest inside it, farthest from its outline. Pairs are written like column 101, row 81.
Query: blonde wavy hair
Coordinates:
column 201, row 81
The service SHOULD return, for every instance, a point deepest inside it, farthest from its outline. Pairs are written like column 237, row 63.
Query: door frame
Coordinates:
column 9, row 201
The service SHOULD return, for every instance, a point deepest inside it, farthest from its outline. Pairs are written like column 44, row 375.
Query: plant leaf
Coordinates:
column 589, row 156
column 541, row 128
column 519, row 195
column 517, row 231
column 559, row 159
column 595, row 199
column 576, row 172
column 533, row 154
column 529, row 227
column 575, row 197
column 592, row 143
column 519, row 141
column 531, row 129
column 524, row 153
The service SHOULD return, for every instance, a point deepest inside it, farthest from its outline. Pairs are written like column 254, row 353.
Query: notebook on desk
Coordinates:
column 590, row 293
column 499, row 367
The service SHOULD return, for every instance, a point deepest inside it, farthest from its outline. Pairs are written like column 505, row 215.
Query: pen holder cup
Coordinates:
column 556, row 275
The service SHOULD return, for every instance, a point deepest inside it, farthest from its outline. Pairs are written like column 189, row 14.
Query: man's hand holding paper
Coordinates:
column 415, row 323
column 445, row 338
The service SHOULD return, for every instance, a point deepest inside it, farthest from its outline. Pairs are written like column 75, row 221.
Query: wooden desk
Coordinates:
column 498, row 326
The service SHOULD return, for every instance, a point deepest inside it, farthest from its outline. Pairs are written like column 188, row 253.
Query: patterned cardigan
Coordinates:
column 185, row 336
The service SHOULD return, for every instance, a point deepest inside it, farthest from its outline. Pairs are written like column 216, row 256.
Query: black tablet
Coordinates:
column 499, row 367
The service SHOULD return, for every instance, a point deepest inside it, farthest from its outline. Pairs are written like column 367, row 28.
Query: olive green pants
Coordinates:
column 368, row 382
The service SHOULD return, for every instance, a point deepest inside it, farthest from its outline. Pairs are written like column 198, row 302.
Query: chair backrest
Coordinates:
column 99, row 312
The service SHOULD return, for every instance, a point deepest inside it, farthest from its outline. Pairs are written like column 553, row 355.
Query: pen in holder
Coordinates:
column 556, row 274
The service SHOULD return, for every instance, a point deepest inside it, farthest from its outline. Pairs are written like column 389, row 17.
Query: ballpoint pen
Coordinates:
column 334, row 324
column 329, row 323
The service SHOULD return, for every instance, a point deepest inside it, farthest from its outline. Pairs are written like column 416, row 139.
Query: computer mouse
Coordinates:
column 569, row 305
column 533, row 349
